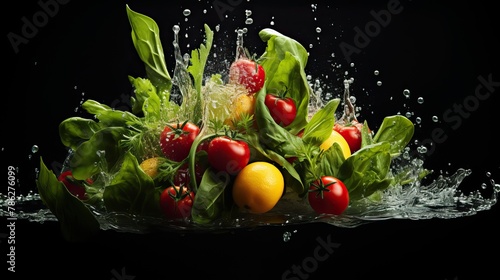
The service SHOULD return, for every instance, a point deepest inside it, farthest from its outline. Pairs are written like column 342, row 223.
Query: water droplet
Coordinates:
column 318, row 29
column 376, row 72
column 435, row 119
column 420, row 100
column 34, row 149
column 286, row 236
column 186, row 12
column 406, row 93
column 379, row 83
column 422, row 149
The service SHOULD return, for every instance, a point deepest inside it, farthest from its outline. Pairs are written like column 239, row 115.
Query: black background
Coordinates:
column 437, row 51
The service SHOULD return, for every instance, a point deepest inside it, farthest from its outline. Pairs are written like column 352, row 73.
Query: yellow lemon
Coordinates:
column 150, row 166
column 243, row 104
column 258, row 187
column 336, row 137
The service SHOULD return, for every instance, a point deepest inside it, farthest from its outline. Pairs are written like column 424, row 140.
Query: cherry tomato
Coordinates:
column 227, row 154
column 176, row 202
column 328, row 195
column 351, row 133
column 282, row 109
column 248, row 73
column 74, row 186
column 176, row 140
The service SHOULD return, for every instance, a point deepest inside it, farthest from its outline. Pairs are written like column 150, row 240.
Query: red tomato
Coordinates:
column 282, row 109
column 74, row 186
column 176, row 202
column 227, row 154
column 351, row 133
column 176, row 140
column 248, row 73
column 328, row 195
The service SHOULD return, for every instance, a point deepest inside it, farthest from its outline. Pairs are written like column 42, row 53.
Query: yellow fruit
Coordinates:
column 243, row 104
column 258, row 187
column 336, row 137
column 150, row 166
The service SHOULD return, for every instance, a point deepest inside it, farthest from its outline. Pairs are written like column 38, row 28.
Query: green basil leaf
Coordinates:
column 321, row 124
column 146, row 38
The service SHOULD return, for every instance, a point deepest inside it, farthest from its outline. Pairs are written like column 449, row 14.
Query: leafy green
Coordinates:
column 397, row 130
column 367, row 170
column 320, row 126
column 132, row 190
column 198, row 61
column 284, row 62
column 75, row 130
column 146, row 100
column 76, row 220
column 146, row 38
column 209, row 199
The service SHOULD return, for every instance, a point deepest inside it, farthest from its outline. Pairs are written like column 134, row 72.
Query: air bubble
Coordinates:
column 249, row 21
column 406, row 93
column 286, row 236
column 186, row 12
column 379, row 83
column 376, row 72
column 34, row 149
column 248, row 13
column 318, row 29
column 420, row 100
column 418, row 120
column 435, row 119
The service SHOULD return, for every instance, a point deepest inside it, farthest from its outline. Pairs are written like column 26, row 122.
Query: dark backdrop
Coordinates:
column 75, row 50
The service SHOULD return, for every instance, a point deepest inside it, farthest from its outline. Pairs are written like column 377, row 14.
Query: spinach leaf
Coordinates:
column 108, row 116
column 76, row 130
column 397, row 130
column 367, row 170
column 209, row 203
column 76, row 220
column 132, row 190
column 99, row 152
